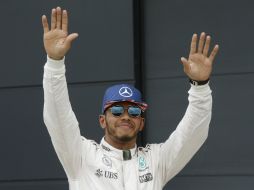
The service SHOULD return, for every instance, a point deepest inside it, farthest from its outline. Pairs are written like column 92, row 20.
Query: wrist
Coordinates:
column 55, row 57
column 53, row 64
column 198, row 82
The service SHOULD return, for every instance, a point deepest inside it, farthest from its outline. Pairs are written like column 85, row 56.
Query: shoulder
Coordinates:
column 89, row 143
column 149, row 148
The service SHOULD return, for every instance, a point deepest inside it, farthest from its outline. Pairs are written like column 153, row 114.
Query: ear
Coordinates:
column 142, row 124
column 102, row 121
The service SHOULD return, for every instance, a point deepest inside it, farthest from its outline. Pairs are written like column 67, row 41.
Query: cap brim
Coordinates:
column 142, row 105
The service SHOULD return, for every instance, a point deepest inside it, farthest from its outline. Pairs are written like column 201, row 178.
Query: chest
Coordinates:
column 136, row 174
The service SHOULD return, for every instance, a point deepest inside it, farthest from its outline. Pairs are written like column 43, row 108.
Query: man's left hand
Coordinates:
column 198, row 67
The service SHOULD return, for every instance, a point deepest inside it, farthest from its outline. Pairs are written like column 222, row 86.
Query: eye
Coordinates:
column 117, row 110
column 134, row 111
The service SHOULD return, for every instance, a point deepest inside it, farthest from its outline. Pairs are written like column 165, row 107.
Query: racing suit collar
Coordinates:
column 117, row 153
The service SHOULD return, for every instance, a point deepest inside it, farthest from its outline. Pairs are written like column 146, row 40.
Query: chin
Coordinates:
column 125, row 138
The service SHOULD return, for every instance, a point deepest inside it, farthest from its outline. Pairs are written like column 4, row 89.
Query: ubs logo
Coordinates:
column 107, row 174
column 98, row 173
column 125, row 92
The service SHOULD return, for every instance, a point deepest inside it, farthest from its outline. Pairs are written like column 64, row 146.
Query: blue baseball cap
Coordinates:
column 122, row 93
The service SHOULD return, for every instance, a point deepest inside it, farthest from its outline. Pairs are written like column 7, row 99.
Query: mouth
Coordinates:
column 125, row 125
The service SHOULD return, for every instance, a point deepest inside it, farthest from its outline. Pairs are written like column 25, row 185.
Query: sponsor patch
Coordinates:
column 142, row 163
column 105, row 148
column 107, row 161
column 145, row 178
column 107, row 174
column 99, row 173
column 125, row 92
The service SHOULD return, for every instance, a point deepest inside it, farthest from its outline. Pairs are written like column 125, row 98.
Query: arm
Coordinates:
column 192, row 131
column 58, row 115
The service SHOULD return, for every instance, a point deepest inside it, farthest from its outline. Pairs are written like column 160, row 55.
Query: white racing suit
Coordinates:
column 92, row 166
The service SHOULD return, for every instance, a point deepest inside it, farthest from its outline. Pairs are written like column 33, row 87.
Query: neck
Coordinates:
column 121, row 145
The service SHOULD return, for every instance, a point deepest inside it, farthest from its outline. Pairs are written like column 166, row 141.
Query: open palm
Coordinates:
column 57, row 42
column 199, row 65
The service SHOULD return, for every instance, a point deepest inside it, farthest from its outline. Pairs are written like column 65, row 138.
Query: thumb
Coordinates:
column 186, row 65
column 70, row 38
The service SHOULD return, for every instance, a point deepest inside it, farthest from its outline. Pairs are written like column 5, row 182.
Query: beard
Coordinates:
column 125, row 138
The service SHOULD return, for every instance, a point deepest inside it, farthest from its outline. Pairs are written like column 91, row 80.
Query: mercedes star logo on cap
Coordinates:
column 125, row 91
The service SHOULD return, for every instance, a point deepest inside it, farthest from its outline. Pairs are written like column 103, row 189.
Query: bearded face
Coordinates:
column 123, row 128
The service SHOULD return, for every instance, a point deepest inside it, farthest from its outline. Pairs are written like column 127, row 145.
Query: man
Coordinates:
column 117, row 163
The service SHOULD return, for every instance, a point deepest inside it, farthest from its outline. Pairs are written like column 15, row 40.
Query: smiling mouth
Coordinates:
column 125, row 126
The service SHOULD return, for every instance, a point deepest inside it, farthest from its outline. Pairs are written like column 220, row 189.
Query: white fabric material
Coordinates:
column 89, row 165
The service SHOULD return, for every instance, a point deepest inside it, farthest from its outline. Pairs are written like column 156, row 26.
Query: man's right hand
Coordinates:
column 56, row 40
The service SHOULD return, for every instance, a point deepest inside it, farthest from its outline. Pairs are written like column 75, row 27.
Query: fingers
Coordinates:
column 186, row 65
column 70, row 38
column 207, row 45
column 65, row 21
column 214, row 52
column 45, row 24
column 201, row 42
column 58, row 18
column 193, row 44
column 53, row 19
column 203, row 46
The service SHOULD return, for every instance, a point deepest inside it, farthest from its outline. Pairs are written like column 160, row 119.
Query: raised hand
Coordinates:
column 199, row 65
column 56, row 40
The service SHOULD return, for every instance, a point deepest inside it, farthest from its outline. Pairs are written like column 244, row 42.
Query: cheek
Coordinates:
column 140, row 124
column 109, row 122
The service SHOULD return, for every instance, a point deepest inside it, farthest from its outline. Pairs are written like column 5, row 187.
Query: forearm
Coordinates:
column 190, row 134
column 198, row 113
column 59, row 117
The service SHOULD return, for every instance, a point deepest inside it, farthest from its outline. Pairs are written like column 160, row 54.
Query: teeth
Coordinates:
column 125, row 125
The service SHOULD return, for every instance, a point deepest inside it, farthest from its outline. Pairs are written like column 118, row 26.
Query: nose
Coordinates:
column 125, row 115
